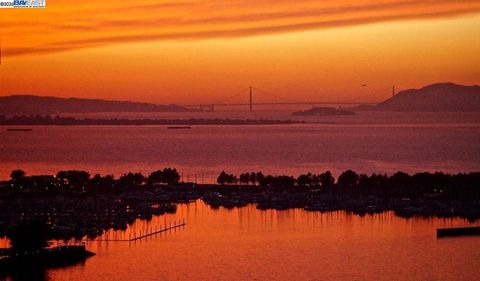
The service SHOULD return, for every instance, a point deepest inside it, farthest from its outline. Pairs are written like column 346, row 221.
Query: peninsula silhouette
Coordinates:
column 30, row 104
column 440, row 97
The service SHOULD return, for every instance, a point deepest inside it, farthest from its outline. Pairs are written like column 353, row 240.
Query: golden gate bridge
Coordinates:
column 279, row 100
column 226, row 102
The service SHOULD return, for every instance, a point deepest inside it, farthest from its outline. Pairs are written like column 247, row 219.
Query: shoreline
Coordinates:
column 85, row 220
column 404, row 208
column 71, row 121
column 75, row 205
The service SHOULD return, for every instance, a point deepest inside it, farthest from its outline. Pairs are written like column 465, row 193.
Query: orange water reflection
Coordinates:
column 248, row 244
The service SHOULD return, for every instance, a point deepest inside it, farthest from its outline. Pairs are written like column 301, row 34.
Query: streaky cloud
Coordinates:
column 66, row 28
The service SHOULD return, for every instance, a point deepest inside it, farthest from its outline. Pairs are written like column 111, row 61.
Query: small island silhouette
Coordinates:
column 323, row 111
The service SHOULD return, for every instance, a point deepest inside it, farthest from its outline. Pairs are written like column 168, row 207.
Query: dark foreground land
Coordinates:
column 74, row 205
column 12, row 260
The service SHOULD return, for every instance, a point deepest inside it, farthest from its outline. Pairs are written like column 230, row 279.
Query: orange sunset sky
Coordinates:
column 203, row 50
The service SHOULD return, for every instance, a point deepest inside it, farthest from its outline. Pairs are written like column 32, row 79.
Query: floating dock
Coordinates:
column 458, row 231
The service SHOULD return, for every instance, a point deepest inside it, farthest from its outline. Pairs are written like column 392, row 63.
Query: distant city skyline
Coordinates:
column 179, row 52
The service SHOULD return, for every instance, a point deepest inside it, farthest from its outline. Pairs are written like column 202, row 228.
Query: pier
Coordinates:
column 142, row 235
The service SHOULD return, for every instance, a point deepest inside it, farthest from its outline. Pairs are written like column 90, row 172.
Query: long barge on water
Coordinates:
column 458, row 231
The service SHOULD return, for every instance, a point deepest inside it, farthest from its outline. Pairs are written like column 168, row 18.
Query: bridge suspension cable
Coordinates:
column 355, row 99
column 232, row 96
column 277, row 96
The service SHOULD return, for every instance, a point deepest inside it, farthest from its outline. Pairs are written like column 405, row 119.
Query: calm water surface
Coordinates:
column 366, row 143
column 248, row 244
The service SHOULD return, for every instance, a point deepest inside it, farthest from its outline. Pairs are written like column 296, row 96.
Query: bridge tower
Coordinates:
column 251, row 99
column 393, row 91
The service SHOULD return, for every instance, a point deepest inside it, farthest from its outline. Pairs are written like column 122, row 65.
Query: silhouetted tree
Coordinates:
column 225, row 178
column 348, row 181
column 172, row 177
column 283, row 181
column 326, row 180
column 265, row 181
column 366, row 184
column 259, row 177
column 17, row 175
column 156, row 177
column 222, row 178
column 101, row 184
column 244, row 178
column 131, row 179
column 253, row 178
column 74, row 178
column 305, row 180
column 31, row 236
column 43, row 183
column 277, row 182
column 166, row 176
column 400, row 185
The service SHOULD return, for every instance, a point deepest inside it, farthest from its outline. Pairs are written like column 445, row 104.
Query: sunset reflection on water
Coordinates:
column 249, row 244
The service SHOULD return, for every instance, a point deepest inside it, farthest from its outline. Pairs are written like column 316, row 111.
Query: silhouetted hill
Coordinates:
column 28, row 104
column 435, row 97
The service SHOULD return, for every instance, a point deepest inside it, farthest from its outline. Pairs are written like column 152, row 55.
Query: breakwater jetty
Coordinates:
column 148, row 232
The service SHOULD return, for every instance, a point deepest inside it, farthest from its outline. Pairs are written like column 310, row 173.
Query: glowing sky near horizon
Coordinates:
column 203, row 50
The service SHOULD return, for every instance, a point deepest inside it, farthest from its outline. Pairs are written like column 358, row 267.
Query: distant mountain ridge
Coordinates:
column 440, row 97
column 30, row 104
